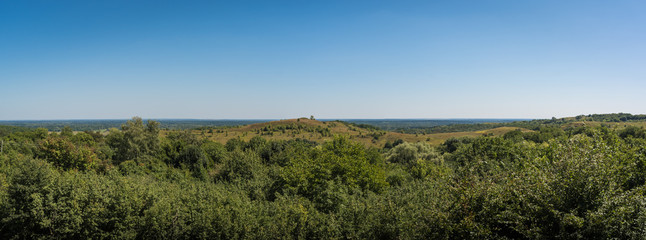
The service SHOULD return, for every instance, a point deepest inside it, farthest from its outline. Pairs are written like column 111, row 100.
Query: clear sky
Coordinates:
column 331, row 59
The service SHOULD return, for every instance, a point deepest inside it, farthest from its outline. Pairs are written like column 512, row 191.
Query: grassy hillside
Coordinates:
column 318, row 131
column 322, row 131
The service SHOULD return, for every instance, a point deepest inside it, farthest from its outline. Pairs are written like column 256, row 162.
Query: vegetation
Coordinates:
column 138, row 182
column 403, row 124
column 321, row 132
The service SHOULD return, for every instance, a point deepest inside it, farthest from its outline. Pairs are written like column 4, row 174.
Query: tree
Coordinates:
column 67, row 131
column 63, row 153
column 134, row 140
column 41, row 133
column 409, row 153
column 183, row 148
column 632, row 131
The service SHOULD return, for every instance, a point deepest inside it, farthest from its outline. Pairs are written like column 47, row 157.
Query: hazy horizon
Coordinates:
column 331, row 59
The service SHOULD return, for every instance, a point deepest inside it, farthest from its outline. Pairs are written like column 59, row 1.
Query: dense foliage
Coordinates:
column 132, row 183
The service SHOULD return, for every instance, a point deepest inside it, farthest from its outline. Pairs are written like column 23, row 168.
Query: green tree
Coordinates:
column 67, row 132
column 632, row 131
column 409, row 153
column 40, row 133
column 134, row 140
column 65, row 154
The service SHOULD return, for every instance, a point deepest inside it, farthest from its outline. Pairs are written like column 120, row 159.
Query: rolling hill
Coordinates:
column 319, row 131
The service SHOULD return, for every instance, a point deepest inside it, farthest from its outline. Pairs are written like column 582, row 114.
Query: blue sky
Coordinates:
column 331, row 59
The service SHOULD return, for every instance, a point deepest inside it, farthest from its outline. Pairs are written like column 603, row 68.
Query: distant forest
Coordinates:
column 94, row 125
column 175, row 124
column 401, row 124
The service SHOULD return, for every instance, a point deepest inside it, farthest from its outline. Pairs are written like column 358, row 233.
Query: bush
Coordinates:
column 409, row 153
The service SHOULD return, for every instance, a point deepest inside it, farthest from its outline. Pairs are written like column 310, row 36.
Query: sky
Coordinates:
column 331, row 59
